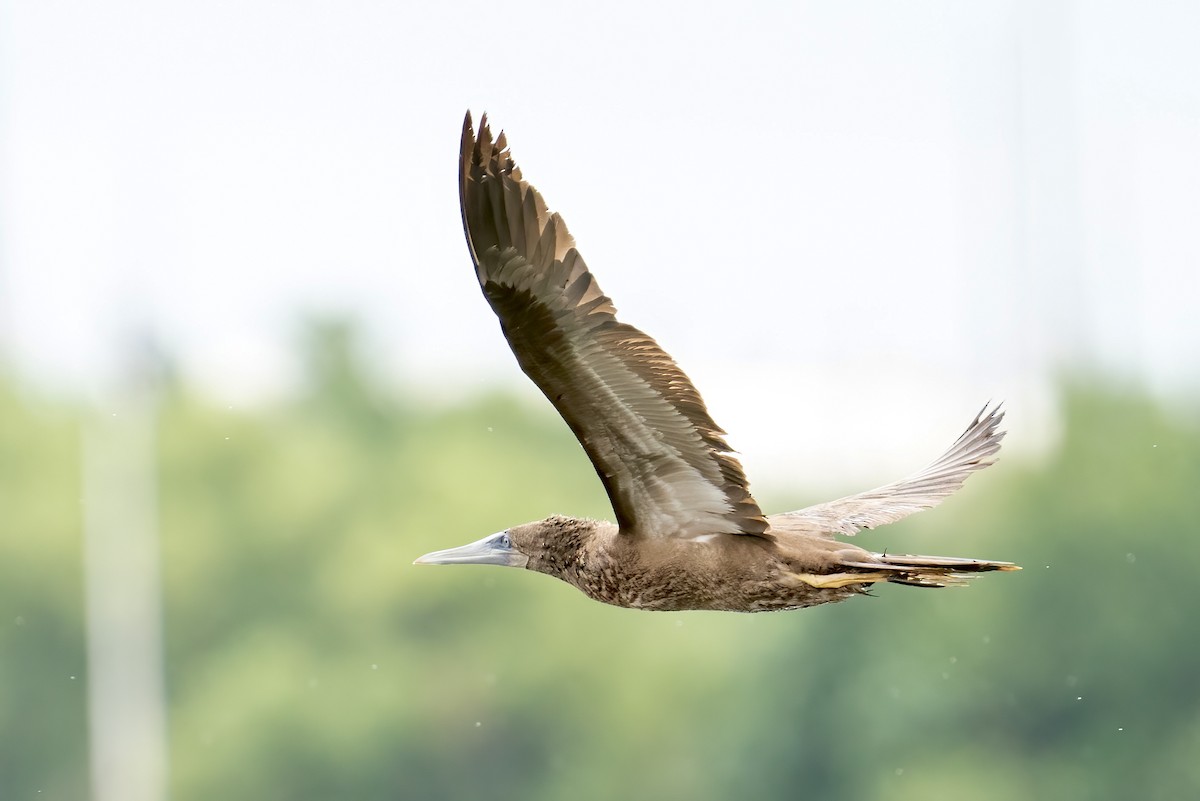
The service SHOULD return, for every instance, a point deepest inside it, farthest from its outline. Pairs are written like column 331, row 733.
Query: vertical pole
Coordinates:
column 126, row 697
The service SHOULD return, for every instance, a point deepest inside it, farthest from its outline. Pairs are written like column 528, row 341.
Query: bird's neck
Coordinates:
column 574, row 547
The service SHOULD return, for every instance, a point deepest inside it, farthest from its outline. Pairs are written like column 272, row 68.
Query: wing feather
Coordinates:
column 663, row 461
column 974, row 450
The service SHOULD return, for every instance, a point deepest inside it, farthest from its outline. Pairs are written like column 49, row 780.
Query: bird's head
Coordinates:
column 543, row 545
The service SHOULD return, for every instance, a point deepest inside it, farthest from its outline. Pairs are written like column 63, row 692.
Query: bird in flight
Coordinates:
column 688, row 533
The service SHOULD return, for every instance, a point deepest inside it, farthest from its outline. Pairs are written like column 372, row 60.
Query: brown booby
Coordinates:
column 688, row 533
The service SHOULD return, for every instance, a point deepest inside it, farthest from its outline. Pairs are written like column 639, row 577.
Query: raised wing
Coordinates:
column 664, row 462
column 974, row 450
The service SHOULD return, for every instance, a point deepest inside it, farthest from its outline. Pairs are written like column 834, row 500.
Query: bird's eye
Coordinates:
column 504, row 542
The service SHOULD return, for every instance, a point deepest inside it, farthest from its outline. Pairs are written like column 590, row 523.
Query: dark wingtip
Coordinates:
column 991, row 410
column 467, row 145
column 485, row 128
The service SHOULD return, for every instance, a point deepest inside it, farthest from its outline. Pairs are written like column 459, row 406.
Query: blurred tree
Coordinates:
column 43, row 728
column 308, row 659
column 338, row 382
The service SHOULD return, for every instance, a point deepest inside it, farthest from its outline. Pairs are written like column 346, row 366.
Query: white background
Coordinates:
column 851, row 223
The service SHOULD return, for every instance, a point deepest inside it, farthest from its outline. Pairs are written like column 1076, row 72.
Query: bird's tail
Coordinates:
column 926, row 571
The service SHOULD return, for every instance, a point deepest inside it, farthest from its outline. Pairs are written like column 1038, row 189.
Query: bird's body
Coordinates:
column 797, row 565
column 728, row 572
column 688, row 533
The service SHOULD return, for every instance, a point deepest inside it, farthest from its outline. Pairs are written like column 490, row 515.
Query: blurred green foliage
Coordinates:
column 307, row 659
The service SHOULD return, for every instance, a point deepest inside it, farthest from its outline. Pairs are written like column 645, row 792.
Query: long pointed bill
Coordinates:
column 493, row 549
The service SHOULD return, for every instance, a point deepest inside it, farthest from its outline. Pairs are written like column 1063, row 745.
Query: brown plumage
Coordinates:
column 688, row 535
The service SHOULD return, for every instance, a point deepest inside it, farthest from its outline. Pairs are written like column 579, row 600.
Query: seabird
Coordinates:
column 688, row 533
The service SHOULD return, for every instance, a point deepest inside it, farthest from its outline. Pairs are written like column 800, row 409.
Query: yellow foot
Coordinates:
column 835, row 580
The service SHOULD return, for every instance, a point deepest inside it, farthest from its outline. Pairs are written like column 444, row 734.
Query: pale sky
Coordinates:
column 839, row 217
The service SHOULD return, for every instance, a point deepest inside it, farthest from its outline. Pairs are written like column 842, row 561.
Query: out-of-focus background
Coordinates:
column 246, row 377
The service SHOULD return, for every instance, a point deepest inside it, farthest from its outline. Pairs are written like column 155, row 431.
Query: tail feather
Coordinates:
column 927, row 571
